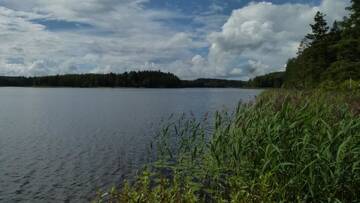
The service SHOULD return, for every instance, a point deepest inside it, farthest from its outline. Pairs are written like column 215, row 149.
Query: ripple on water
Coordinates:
column 62, row 145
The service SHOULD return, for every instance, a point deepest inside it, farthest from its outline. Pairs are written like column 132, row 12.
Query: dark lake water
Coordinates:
column 61, row 145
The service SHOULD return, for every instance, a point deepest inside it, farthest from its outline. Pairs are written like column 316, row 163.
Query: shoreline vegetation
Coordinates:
column 136, row 79
column 287, row 146
column 300, row 143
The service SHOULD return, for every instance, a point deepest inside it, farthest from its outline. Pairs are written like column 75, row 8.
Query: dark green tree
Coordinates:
column 355, row 13
column 319, row 31
column 336, row 28
column 319, row 28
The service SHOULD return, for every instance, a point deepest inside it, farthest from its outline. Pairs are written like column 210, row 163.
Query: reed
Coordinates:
column 288, row 146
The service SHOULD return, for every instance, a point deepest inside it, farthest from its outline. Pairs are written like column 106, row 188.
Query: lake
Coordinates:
column 62, row 144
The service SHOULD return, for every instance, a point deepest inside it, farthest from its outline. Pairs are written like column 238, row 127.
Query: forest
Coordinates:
column 131, row 79
column 147, row 79
column 328, row 56
column 271, row 80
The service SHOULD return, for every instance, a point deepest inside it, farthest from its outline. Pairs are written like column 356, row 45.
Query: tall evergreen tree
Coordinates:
column 336, row 28
column 328, row 56
column 355, row 11
column 354, row 20
column 334, row 35
column 319, row 28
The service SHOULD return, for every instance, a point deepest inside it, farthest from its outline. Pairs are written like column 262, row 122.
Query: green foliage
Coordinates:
column 271, row 80
column 327, row 56
column 342, row 70
column 127, row 79
column 348, row 49
column 285, row 147
column 206, row 82
column 319, row 28
column 164, row 190
column 347, row 85
column 353, row 23
column 151, row 79
column 307, row 69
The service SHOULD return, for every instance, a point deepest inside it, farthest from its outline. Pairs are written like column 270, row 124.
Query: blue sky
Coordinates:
column 235, row 39
column 225, row 7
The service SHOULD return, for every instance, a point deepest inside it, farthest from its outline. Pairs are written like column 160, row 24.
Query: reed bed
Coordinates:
column 287, row 146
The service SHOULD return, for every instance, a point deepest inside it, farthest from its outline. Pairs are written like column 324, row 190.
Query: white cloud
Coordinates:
column 123, row 35
column 236, row 71
column 260, row 37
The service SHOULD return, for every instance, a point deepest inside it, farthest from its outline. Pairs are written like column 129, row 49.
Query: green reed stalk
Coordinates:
column 287, row 146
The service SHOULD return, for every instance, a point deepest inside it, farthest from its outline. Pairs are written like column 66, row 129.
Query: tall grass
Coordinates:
column 285, row 147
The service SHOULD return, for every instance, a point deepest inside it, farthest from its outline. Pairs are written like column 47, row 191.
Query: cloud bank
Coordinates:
column 41, row 37
column 260, row 37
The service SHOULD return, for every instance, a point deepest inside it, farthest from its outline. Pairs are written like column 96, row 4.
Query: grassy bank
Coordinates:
column 285, row 147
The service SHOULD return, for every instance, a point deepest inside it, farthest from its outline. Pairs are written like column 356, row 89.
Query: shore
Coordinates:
column 288, row 146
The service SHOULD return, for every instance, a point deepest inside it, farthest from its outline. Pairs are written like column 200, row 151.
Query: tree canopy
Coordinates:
column 327, row 55
column 147, row 79
column 319, row 28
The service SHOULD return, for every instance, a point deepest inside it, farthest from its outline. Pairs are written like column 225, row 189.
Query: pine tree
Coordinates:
column 336, row 28
column 355, row 12
column 328, row 55
column 354, row 20
column 319, row 28
column 334, row 35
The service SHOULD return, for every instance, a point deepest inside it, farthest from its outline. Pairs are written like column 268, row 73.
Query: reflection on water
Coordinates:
column 64, row 144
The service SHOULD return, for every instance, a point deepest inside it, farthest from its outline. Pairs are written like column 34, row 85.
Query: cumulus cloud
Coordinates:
column 120, row 36
column 124, row 35
column 260, row 37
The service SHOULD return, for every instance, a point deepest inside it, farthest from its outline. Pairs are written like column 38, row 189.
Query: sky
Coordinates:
column 230, row 39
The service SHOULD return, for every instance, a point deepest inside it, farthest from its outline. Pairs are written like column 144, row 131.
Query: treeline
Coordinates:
column 127, row 79
column 147, row 79
column 271, row 80
column 204, row 82
column 328, row 55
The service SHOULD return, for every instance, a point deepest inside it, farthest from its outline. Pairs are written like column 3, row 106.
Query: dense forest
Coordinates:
column 131, row 79
column 149, row 79
column 271, row 80
column 328, row 56
column 204, row 82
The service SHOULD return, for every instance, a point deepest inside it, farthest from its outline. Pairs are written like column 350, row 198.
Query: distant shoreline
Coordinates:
column 175, row 88
column 139, row 79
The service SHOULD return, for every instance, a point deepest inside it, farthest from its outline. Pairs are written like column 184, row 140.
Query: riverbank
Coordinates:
column 288, row 146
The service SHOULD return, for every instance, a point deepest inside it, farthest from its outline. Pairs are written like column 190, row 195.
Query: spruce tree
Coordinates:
column 319, row 28
column 335, row 28
column 354, row 20
column 355, row 11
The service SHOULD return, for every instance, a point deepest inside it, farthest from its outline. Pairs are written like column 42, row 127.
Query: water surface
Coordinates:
column 61, row 144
